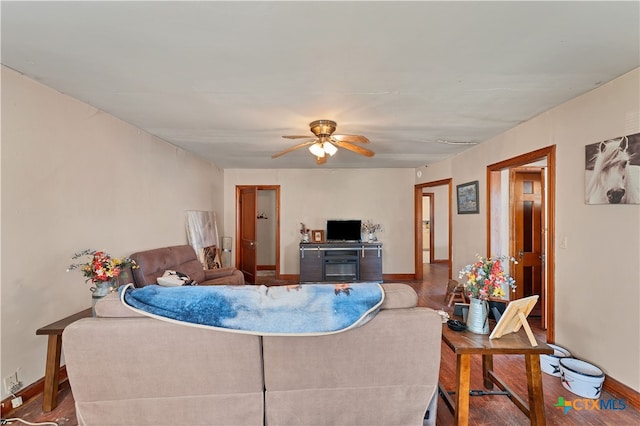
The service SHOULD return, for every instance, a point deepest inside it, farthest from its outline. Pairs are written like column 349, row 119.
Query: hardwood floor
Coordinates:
column 484, row 410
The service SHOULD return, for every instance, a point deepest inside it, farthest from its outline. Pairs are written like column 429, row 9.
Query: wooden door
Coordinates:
column 248, row 216
column 528, row 234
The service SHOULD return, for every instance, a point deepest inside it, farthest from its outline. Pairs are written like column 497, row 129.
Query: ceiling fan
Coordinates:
column 326, row 142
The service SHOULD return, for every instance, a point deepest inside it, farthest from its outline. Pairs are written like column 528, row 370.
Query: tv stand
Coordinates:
column 339, row 262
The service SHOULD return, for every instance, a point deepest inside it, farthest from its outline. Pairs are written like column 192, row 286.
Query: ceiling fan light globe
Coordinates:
column 317, row 150
column 329, row 148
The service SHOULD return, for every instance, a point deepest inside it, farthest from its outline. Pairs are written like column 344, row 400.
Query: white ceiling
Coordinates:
column 226, row 80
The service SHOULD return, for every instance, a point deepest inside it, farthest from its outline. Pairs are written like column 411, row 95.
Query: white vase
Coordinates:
column 372, row 237
column 478, row 316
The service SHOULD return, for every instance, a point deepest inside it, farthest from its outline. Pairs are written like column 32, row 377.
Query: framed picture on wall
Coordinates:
column 612, row 171
column 467, row 196
column 317, row 235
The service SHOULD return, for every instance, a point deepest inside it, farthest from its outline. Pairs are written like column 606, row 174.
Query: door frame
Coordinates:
column 417, row 212
column 494, row 191
column 276, row 188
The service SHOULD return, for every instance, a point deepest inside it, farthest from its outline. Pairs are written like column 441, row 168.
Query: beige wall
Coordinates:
column 312, row 196
column 597, row 275
column 74, row 177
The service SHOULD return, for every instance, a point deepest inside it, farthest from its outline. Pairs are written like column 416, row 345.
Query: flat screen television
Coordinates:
column 344, row 230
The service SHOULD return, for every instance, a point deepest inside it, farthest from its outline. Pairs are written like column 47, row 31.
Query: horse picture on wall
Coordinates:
column 612, row 171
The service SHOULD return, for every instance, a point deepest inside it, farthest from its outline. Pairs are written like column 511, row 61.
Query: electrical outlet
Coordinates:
column 11, row 383
column 16, row 402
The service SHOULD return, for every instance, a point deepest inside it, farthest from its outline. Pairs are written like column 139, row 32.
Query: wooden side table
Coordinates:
column 465, row 343
column 54, row 349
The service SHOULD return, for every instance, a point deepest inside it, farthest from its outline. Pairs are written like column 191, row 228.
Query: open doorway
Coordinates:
column 439, row 194
column 258, row 232
column 427, row 222
column 521, row 221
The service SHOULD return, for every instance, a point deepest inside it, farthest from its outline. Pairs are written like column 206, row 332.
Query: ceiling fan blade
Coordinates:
column 293, row 148
column 298, row 137
column 351, row 138
column 321, row 160
column 355, row 148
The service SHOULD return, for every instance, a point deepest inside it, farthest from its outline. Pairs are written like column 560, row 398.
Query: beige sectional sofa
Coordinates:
column 126, row 369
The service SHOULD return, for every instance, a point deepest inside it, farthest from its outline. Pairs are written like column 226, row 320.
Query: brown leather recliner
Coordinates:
column 153, row 263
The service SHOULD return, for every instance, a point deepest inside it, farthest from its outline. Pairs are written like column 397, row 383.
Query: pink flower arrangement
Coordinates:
column 101, row 266
column 487, row 277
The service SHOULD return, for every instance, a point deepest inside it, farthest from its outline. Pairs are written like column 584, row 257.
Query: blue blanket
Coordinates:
column 309, row 309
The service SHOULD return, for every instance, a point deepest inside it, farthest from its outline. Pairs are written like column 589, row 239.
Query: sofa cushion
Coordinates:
column 188, row 262
column 111, row 306
column 144, row 372
column 398, row 296
column 383, row 373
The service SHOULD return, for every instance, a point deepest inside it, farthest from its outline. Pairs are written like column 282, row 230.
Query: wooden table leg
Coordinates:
column 52, row 371
column 463, row 376
column 487, row 365
column 534, row 385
